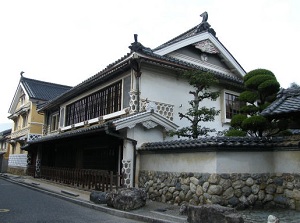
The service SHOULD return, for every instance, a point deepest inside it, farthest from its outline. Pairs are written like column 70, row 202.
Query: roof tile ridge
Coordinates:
column 26, row 79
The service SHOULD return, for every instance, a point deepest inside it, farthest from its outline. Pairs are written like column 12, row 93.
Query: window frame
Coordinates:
column 54, row 122
column 101, row 102
column 227, row 119
column 22, row 99
column 24, row 120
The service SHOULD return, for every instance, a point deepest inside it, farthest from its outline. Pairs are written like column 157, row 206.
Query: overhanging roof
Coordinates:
column 148, row 119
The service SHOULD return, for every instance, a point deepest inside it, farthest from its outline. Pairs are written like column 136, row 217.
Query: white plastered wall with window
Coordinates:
column 165, row 86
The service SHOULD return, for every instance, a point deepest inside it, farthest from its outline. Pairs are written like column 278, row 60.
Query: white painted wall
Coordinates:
column 166, row 87
column 287, row 162
column 223, row 162
column 179, row 162
column 141, row 134
column 245, row 162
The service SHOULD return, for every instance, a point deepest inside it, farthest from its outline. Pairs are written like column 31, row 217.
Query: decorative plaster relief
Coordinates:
column 151, row 106
column 149, row 124
column 207, row 46
column 166, row 110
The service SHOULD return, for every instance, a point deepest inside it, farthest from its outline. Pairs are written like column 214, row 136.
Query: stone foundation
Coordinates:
column 234, row 190
column 21, row 171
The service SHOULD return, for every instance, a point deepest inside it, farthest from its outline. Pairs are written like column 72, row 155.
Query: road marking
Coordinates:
column 4, row 210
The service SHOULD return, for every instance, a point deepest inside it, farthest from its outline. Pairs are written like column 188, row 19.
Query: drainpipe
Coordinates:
column 134, row 142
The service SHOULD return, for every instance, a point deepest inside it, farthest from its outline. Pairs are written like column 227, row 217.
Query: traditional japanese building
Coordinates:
column 102, row 121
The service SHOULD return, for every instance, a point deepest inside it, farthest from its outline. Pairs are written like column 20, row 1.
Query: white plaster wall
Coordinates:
column 142, row 135
column 287, row 161
column 245, row 162
column 175, row 91
column 223, row 162
column 179, row 162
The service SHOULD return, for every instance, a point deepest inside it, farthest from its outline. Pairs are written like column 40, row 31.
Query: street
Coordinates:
column 20, row 204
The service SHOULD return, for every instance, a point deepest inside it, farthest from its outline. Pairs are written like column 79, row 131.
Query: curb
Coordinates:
column 105, row 209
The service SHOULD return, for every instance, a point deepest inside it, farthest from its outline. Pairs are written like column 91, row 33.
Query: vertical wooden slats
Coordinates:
column 87, row 179
column 103, row 102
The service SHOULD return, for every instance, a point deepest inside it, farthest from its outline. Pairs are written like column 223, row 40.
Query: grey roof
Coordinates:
column 221, row 143
column 189, row 33
column 5, row 132
column 72, row 133
column 287, row 102
column 147, row 56
column 42, row 90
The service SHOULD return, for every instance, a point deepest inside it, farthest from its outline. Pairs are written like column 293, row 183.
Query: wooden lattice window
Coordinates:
column 233, row 105
column 103, row 102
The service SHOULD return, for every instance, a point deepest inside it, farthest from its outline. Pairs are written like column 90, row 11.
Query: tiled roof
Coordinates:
column 186, row 65
column 288, row 101
column 5, row 132
column 72, row 133
column 147, row 55
column 191, row 32
column 222, row 144
column 42, row 90
column 92, row 81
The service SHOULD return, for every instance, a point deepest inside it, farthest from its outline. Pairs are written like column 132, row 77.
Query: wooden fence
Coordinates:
column 101, row 180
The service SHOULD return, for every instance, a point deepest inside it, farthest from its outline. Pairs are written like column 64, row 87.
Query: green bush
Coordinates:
column 255, row 123
column 270, row 87
column 237, row 120
column 249, row 109
column 257, row 72
column 235, row 132
column 248, row 96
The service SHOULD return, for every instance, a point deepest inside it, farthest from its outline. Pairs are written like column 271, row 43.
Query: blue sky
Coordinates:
column 68, row 41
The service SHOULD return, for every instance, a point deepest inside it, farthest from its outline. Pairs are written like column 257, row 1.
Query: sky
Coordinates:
column 68, row 41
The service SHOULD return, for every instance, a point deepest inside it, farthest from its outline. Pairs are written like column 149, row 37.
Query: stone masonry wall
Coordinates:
column 235, row 190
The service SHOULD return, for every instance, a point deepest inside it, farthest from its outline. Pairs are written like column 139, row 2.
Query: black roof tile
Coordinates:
column 42, row 90
column 221, row 143
column 288, row 101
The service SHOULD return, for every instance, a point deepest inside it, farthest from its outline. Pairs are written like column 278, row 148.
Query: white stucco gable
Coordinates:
column 201, row 47
column 206, row 43
column 148, row 119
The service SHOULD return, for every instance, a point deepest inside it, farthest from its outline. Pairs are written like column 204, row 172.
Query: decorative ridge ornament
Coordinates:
column 136, row 46
column 204, row 25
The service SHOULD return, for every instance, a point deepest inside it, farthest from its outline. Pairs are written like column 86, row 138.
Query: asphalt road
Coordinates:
column 19, row 204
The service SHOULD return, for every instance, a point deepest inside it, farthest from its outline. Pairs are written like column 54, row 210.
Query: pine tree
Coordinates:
column 201, row 81
column 261, row 88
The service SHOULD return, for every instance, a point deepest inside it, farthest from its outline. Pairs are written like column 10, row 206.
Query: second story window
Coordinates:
column 22, row 99
column 15, row 125
column 24, row 123
column 54, row 122
column 232, row 104
column 103, row 102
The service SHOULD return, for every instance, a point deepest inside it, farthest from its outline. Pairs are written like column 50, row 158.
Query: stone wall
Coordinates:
column 21, row 171
column 234, row 190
